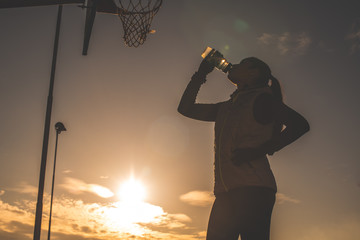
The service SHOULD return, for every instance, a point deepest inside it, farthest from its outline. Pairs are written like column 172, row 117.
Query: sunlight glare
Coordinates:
column 132, row 191
column 129, row 214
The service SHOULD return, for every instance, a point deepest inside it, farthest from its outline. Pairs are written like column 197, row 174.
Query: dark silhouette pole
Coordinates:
column 89, row 22
column 59, row 127
column 39, row 205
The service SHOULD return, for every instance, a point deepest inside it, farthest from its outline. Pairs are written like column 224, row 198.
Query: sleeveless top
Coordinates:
column 236, row 127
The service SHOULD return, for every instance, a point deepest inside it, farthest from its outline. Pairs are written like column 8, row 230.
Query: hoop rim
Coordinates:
column 122, row 11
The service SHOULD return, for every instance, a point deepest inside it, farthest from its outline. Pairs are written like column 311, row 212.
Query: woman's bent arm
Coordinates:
column 295, row 126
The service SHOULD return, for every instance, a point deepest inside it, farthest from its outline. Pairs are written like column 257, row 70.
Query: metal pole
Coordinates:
column 35, row 3
column 90, row 18
column 59, row 127
column 39, row 205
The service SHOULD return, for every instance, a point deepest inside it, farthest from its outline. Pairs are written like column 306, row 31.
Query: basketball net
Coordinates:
column 136, row 17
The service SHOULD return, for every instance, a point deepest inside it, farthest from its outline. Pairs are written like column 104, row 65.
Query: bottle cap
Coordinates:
column 206, row 52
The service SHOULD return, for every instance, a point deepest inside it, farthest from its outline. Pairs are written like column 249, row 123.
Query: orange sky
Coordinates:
column 119, row 107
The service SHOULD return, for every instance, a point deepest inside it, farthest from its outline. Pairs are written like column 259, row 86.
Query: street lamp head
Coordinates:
column 59, row 126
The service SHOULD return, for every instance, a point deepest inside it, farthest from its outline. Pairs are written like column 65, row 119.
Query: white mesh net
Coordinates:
column 136, row 17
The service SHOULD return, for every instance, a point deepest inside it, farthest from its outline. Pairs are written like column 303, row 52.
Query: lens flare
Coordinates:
column 132, row 191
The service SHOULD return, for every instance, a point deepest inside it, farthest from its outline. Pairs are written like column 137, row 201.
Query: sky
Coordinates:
column 119, row 106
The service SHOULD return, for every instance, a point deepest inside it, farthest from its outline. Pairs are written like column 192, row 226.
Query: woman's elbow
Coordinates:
column 305, row 126
column 300, row 128
column 182, row 110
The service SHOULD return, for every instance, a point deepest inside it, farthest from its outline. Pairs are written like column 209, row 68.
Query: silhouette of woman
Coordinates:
column 254, row 122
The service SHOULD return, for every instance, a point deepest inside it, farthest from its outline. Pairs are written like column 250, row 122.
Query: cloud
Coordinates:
column 19, row 227
column 287, row 43
column 25, row 188
column 354, row 37
column 174, row 222
column 15, row 235
column 266, row 39
column 16, row 222
column 74, row 219
column 282, row 198
column 77, row 186
column 180, row 217
column 198, row 198
column 206, row 198
column 326, row 47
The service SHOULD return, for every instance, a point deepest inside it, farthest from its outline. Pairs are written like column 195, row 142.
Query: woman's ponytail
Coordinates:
column 277, row 93
column 276, row 88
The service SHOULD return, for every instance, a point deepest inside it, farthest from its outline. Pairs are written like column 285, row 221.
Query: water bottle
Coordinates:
column 217, row 59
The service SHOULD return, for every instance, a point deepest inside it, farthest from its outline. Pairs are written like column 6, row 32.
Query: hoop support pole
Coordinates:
column 39, row 205
column 89, row 22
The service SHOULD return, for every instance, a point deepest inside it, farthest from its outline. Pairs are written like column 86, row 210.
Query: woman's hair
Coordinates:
column 276, row 88
column 265, row 76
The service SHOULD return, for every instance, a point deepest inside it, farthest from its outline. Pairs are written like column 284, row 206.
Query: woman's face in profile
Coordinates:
column 244, row 74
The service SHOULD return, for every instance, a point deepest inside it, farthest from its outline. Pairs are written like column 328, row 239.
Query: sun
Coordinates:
column 132, row 191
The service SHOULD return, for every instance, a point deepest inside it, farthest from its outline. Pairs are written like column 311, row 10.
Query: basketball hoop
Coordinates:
column 136, row 17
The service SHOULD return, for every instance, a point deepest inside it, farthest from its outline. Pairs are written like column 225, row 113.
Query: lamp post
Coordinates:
column 59, row 127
